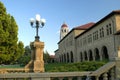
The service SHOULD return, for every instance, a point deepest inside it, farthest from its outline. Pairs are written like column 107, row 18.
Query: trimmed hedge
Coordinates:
column 70, row 67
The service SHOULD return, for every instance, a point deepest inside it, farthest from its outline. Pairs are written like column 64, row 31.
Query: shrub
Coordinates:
column 70, row 67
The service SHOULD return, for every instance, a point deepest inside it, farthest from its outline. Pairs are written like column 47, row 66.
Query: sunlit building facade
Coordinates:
column 91, row 41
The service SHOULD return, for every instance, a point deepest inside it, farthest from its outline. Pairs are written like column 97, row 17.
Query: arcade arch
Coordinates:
column 85, row 53
column 64, row 58
column 97, row 56
column 71, row 54
column 81, row 57
column 105, row 53
column 68, row 57
column 90, row 55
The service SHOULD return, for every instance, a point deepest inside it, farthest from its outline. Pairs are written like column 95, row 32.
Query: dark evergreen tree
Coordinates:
column 10, row 48
column 46, row 57
column 27, row 51
column 25, row 58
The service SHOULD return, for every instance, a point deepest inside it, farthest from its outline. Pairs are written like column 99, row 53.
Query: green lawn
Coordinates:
column 10, row 66
column 53, row 66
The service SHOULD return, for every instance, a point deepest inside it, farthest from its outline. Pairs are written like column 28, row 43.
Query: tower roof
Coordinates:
column 64, row 25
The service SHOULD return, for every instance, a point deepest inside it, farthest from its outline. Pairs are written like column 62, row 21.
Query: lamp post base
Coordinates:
column 37, row 38
column 37, row 63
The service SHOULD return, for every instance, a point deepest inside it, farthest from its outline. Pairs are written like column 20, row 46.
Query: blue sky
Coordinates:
column 56, row 12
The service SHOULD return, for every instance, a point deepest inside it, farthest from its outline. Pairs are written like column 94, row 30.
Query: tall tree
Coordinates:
column 46, row 57
column 10, row 48
column 25, row 58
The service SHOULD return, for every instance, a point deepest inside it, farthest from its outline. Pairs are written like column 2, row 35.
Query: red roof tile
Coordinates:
column 117, row 11
column 64, row 25
column 52, row 56
column 85, row 26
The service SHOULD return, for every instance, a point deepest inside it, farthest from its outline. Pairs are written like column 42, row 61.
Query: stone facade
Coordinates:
column 66, row 47
column 97, row 42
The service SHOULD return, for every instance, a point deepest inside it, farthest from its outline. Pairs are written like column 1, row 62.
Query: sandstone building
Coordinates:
column 91, row 41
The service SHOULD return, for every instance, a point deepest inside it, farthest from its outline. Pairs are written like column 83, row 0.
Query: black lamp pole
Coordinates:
column 37, row 26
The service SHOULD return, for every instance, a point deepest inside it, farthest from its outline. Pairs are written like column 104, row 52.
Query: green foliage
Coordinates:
column 53, row 67
column 10, row 48
column 46, row 57
column 20, row 50
column 25, row 58
column 70, row 67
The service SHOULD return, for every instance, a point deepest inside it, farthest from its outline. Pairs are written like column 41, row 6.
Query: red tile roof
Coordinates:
column 85, row 26
column 52, row 56
column 64, row 25
column 117, row 11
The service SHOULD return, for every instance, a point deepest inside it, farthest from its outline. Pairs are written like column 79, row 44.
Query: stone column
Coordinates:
column 60, row 78
column 93, row 55
column 79, row 78
column 87, row 56
column 96, row 78
column 100, row 55
column 70, row 58
column 36, row 64
column 38, row 78
column 105, row 76
column 112, row 74
column 83, row 57
column 117, row 68
column 63, row 60
column 70, row 78
column 66, row 58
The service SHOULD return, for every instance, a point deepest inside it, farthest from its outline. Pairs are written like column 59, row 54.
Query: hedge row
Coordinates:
column 70, row 67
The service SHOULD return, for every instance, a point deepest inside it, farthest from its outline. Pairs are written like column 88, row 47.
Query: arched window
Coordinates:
column 109, row 29
column 65, row 30
column 101, row 32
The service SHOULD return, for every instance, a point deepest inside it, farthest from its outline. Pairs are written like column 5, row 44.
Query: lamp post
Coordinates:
column 36, row 63
column 39, row 23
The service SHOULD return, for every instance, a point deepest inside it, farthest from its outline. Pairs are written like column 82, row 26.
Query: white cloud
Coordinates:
column 51, row 53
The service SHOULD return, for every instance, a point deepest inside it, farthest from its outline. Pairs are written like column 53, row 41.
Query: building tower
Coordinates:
column 64, row 30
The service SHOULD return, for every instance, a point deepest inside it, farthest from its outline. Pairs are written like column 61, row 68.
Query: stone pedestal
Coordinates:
column 117, row 68
column 37, row 63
